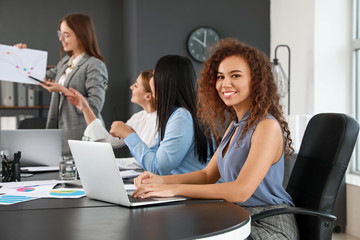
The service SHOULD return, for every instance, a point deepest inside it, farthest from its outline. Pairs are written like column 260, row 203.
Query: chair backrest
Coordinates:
column 323, row 157
column 32, row 123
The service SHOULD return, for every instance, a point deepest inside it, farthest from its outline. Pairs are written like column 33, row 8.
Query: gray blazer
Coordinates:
column 89, row 77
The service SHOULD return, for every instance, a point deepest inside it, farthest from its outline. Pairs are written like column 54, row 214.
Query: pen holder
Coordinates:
column 10, row 169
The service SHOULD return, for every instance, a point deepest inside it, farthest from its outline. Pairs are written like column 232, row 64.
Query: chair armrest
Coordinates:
column 294, row 210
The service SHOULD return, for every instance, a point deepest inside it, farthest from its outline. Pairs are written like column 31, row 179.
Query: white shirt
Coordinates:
column 71, row 64
column 143, row 123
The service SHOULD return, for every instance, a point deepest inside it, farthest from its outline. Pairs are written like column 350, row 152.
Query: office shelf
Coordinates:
column 24, row 107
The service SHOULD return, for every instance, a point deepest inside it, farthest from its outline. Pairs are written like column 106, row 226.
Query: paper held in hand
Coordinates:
column 16, row 65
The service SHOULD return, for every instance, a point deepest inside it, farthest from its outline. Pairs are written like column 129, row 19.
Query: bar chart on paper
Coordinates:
column 16, row 65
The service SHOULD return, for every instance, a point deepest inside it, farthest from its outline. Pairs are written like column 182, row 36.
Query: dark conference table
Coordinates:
column 85, row 218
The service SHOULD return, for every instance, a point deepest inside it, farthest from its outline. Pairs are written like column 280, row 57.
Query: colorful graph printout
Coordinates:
column 15, row 192
column 16, row 65
column 10, row 199
column 67, row 193
column 25, row 189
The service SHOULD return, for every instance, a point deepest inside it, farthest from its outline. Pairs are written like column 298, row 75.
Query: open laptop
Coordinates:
column 100, row 175
column 39, row 147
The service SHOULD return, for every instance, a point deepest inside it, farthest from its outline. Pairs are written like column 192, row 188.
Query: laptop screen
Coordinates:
column 39, row 147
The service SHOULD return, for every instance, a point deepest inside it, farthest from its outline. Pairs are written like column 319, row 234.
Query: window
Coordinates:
column 356, row 75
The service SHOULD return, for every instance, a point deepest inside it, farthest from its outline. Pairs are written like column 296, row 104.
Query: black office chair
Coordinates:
column 32, row 123
column 324, row 155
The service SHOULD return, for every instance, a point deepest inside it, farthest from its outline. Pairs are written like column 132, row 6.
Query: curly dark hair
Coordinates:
column 264, row 97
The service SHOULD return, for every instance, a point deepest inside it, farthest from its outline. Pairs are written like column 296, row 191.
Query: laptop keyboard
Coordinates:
column 135, row 200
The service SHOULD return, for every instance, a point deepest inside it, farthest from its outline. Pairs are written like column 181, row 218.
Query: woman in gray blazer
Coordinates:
column 83, row 69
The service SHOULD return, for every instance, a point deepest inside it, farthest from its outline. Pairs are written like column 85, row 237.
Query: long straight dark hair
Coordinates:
column 174, row 81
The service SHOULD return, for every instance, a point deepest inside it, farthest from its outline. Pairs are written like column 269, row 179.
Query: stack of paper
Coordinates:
column 14, row 192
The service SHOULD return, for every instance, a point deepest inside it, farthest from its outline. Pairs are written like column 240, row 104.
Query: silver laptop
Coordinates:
column 100, row 175
column 39, row 147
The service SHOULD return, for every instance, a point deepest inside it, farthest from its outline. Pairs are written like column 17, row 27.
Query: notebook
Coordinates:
column 100, row 175
column 39, row 147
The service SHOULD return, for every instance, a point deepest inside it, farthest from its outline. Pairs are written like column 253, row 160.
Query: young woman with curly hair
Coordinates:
column 237, row 84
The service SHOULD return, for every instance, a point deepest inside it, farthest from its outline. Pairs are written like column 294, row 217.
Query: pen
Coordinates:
column 36, row 79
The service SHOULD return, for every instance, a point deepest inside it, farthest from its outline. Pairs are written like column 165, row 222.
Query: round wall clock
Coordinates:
column 199, row 42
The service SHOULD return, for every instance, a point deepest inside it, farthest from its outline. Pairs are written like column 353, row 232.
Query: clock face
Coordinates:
column 200, row 41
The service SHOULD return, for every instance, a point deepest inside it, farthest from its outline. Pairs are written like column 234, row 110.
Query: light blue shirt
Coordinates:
column 175, row 154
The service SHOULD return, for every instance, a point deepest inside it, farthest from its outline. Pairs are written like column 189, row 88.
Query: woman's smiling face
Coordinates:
column 138, row 92
column 233, row 82
column 68, row 39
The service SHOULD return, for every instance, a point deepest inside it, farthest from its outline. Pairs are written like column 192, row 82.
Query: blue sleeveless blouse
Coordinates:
column 270, row 190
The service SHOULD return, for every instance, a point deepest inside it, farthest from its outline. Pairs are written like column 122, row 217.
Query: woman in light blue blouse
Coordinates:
column 181, row 146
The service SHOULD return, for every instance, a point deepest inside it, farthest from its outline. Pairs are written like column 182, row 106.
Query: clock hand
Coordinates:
column 205, row 38
column 196, row 39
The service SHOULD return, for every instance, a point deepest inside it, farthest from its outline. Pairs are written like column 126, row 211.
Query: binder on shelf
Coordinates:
column 21, row 95
column 12, row 123
column 7, row 94
column 8, row 123
column 31, row 97
column 3, row 123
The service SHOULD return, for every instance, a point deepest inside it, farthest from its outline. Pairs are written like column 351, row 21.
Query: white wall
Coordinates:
column 332, row 56
column 319, row 35
column 352, row 210
column 292, row 23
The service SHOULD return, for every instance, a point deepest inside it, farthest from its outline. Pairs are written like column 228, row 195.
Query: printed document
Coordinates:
column 16, row 65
